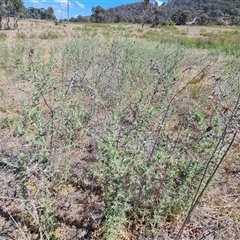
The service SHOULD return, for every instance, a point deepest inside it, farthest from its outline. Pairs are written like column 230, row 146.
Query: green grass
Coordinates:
column 50, row 35
column 21, row 35
column 3, row 36
column 226, row 41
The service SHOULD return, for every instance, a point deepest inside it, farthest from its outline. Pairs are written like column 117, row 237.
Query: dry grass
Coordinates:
column 73, row 30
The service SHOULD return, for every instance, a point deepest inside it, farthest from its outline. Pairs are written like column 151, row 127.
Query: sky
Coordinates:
column 77, row 7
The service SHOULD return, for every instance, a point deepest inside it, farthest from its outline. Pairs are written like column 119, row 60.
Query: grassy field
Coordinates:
column 119, row 132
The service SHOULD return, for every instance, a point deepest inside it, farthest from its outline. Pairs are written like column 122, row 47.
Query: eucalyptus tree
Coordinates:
column 154, row 11
column 146, row 4
column 10, row 8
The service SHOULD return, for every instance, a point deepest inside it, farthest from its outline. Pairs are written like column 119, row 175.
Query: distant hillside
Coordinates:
column 209, row 11
column 179, row 12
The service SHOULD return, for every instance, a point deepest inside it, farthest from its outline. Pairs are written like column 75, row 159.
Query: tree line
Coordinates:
column 179, row 12
column 16, row 10
column 39, row 13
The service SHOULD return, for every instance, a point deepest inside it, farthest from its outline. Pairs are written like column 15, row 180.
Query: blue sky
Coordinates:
column 77, row 7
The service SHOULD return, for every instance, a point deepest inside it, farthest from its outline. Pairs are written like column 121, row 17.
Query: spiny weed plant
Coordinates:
column 156, row 113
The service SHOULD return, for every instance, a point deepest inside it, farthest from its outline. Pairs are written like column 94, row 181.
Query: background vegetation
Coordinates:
column 179, row 12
